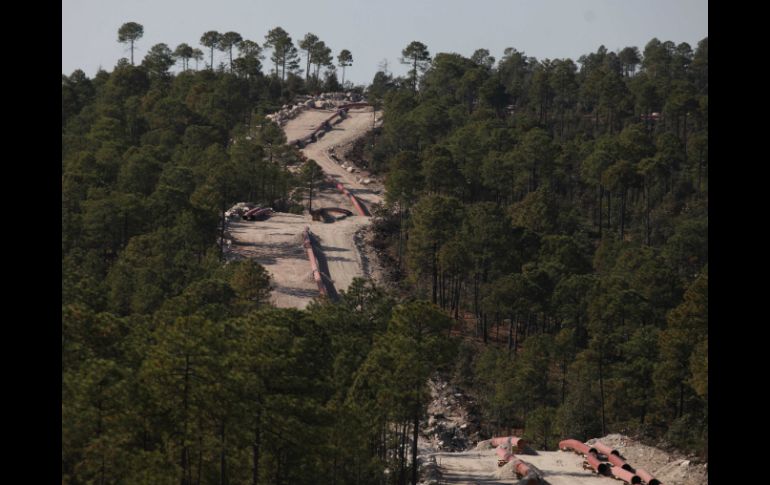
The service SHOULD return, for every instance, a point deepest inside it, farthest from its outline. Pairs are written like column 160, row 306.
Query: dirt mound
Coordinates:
column 669, row 468
column 453, row 423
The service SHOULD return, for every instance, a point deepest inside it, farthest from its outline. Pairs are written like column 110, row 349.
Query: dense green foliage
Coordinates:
column 174, row 367
column 568, row 207
column 526, row 196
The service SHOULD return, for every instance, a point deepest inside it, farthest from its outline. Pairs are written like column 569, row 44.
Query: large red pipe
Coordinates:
column 625, row 475
column 605, row 450
column 619, row 462
column 313, row 262
column 514, row 441
column 574, row 445
column 525, row 473
column 598, row 466
column 647, row 478
column 521, row 468
column 356, row 204
column 613, row 456
column 503, row 455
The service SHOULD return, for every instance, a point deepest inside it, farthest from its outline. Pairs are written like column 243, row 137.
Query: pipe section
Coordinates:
column 523, row 471
column 625, row 475
column 605, row 450
column 357, row 205
column 308, row 244
column 574, row 445
column 619, row 462
column 598, row 466
column 509, row 441
column 647, row 478
column 521, row 468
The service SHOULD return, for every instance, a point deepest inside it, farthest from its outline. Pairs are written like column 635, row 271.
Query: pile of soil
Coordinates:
column 453, row 423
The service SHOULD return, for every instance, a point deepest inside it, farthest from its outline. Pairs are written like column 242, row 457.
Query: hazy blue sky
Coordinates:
column 377, row 30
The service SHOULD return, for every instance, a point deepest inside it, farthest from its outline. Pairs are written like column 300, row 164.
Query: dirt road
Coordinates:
column 480, row 467
column 358, row 122
column 470, row 467
column 277, row 242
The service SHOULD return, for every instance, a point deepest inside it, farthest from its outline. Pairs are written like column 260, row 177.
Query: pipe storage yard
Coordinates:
column 509, row 459
column 596, row 456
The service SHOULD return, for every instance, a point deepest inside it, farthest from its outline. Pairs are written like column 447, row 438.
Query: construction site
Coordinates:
column 453, row 452
column 320, row 252
column 385, row 243
column 316, row 254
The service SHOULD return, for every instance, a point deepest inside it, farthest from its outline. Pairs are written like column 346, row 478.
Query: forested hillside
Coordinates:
column 565, row 206
column 562, row 207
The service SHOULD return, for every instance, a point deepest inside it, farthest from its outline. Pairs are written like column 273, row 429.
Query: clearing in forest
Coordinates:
column 276, row 243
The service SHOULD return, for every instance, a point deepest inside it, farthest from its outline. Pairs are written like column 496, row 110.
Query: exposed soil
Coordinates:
column 276, row 243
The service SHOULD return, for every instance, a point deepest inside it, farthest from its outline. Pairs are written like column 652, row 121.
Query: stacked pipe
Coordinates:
column 613, row 456
column 647, row 478
column 308, row 244
column 620, row 468
column 625, row 475
column 598, row 466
